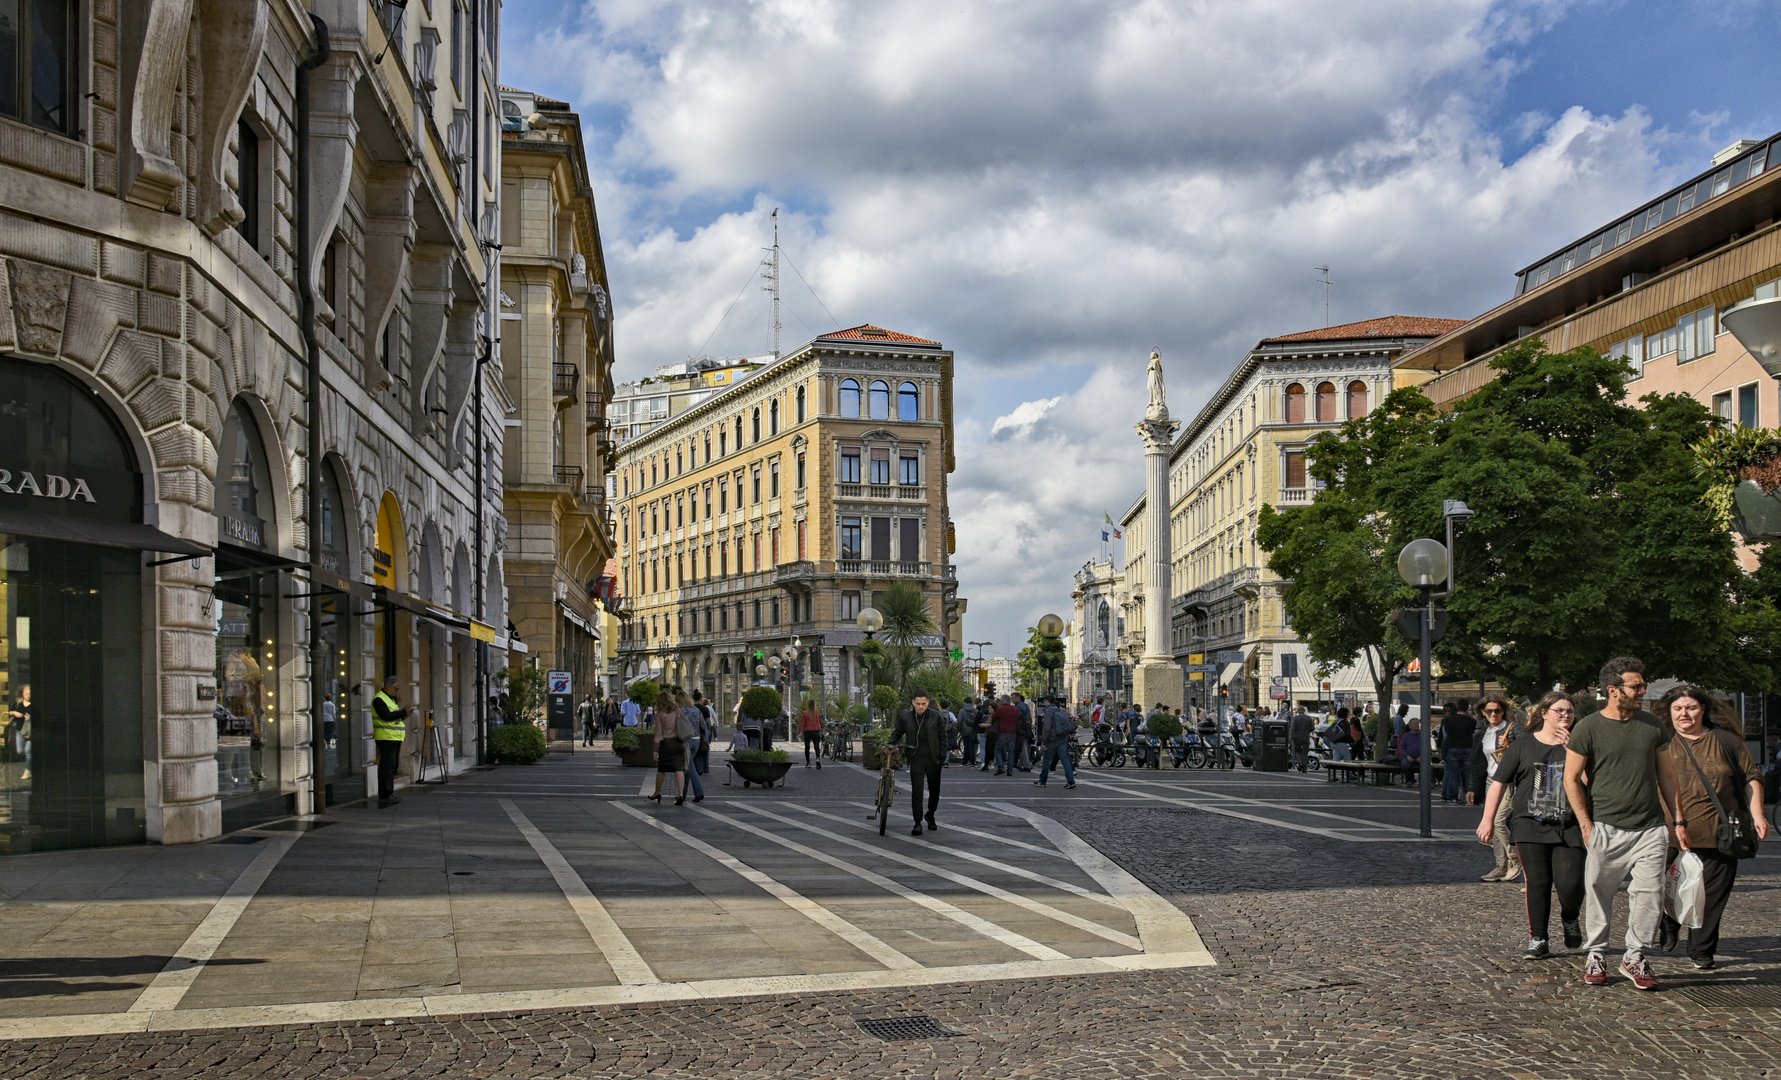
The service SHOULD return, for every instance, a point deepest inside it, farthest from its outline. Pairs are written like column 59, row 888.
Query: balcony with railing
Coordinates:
column 564, row 379
column 569, row 476
column 593, row 501
column 596, row 407
column 1298, row 496
column 893, row 568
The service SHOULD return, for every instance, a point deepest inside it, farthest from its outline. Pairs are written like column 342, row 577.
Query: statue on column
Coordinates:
column 1159, row 409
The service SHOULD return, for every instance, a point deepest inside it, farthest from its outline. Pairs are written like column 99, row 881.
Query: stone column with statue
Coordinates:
column 1157, row 678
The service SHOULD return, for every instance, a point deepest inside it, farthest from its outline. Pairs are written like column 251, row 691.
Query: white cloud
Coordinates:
column 1052, row 188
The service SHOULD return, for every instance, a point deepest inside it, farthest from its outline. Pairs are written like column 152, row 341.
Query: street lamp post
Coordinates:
column 1423, row 565
column 869, row 621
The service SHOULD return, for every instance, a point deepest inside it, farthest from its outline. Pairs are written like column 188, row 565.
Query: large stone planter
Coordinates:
column 764, row 773
column 1757, row 512
column 644, row 757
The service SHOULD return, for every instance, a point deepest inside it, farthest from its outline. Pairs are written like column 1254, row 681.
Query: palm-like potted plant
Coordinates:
column 1742, row 469
column 636, row 746
column 763, row 767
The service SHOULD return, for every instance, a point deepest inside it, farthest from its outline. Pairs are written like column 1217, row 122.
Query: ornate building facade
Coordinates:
column 1244, row 448
column 556, row 326
column 774, row 510
column 244, row 265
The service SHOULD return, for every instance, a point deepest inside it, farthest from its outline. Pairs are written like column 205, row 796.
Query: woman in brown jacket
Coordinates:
column 1713, row 750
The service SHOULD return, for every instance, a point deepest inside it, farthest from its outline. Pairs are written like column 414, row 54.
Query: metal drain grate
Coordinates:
column 240, row 839
column 906, row 1028
column 1733, row 995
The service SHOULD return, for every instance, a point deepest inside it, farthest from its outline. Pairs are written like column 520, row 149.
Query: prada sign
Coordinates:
column 53, row 486
column 61, row 451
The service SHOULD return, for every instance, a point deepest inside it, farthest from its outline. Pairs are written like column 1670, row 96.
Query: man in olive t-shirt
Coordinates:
column 1621, row 812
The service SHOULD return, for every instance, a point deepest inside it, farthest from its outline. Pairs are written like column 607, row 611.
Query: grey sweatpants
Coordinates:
column 1500, row 844
column 1612, row 855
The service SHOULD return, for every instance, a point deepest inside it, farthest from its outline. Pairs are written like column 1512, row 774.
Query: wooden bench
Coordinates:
column 1380, row 773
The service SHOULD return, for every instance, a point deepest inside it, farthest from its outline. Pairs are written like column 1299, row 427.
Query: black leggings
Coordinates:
column 812, row 739
column 1549, row 866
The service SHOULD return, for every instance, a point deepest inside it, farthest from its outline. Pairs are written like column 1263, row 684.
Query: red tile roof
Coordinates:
column 1391, row 326
column 868, row 332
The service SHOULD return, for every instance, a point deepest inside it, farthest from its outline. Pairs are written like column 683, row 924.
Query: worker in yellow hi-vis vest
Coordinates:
column 388, row 727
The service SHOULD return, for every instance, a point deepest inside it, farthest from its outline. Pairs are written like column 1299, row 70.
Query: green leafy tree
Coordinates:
column 943, row 681
column 524, row 687
column 1590, row 537
column 644, row 692
column 762, row 703
column 1030, row 675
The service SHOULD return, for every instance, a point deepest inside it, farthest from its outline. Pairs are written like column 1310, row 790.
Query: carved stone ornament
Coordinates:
column 151, row 113
column 231, row 38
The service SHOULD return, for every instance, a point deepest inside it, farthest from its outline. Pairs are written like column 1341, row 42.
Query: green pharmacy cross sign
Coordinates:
column 956, row 654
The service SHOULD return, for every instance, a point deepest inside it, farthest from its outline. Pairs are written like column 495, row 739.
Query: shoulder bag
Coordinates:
column 1737, row 835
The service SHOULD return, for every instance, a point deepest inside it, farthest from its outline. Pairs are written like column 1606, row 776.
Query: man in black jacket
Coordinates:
column 923, row 731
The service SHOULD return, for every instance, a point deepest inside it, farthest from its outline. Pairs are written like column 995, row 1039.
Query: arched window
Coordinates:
column 800, row 404
column 738, row 433
column 850, row 399
column 1357, row 399
column 773, row 418
column 755, row 424
column 908, row 402
column 879, row 400
column 1326, row 402
column 1295, row 404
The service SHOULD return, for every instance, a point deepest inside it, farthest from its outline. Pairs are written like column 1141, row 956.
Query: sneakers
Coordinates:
column 1639, row 971
column 1704, row 963
column 1668, row 935
column 917, row 830
column 1496, row 874
column 931, row 826
column 1069, row 785
column 1038, row 783
column 1573, row 934
column 1536, row 949
column 1595, row 972
column 1512, row 872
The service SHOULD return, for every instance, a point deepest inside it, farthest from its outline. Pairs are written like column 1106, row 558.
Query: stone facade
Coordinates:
column 556, row 319
column 756, row 517
column 150, row 250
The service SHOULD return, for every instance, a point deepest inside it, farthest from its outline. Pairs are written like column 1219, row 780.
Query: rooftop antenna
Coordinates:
column 771, row 273
column 1325, row 279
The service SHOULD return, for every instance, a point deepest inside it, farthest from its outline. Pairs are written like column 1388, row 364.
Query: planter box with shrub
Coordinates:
column 516, row 744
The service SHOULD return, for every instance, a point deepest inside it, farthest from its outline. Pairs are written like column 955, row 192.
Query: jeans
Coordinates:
column 924, row 773
column 1613, row 854
column 1053, row 752
column 1301, row 754
column 970, row 747
column 1719, row 873
column 389, row 755
column 1341, row 751
column 1005, row 753
column 1456, row 773
column 1550, row 867
column 693, row 746
column 812, row 741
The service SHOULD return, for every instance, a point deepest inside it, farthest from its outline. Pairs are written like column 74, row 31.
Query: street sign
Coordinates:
column 561, row 682
column 1204, row 669
column 1194, row 660
column 1277, row 692
column 1228, row 656
column 1289, row 665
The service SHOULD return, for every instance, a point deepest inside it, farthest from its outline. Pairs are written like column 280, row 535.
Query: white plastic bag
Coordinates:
column 1685, row 891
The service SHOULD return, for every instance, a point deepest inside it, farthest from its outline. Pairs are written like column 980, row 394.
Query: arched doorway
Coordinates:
column 337, row 616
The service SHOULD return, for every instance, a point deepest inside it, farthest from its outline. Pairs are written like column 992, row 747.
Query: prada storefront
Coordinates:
column 72, row 585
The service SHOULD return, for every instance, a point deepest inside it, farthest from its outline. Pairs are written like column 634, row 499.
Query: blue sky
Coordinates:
column 1054, row 187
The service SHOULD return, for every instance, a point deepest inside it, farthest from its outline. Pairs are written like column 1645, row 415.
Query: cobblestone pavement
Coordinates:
column 1334, row 958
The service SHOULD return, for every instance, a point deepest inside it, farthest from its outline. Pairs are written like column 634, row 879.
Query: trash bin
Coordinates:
column 1272, row 752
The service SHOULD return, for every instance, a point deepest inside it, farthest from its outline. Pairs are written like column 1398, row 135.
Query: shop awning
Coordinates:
column 327, row 579
column 124, row 534
column 233, row 561
column 450, row 620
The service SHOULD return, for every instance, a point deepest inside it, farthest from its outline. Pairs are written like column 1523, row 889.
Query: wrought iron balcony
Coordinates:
column 596, row 407
column 569, row 476
column 566, row 377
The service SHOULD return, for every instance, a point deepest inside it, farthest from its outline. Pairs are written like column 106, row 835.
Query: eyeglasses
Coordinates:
column 1635, row 688
column 1493, row 712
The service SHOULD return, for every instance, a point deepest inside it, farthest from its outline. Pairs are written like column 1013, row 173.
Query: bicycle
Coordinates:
column 837, row 741
column 887, row 787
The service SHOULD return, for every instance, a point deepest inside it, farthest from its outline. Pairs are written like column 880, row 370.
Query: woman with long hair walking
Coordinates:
column 1542, row 824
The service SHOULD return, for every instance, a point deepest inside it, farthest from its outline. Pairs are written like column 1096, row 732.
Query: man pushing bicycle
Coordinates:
column 923, row 732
